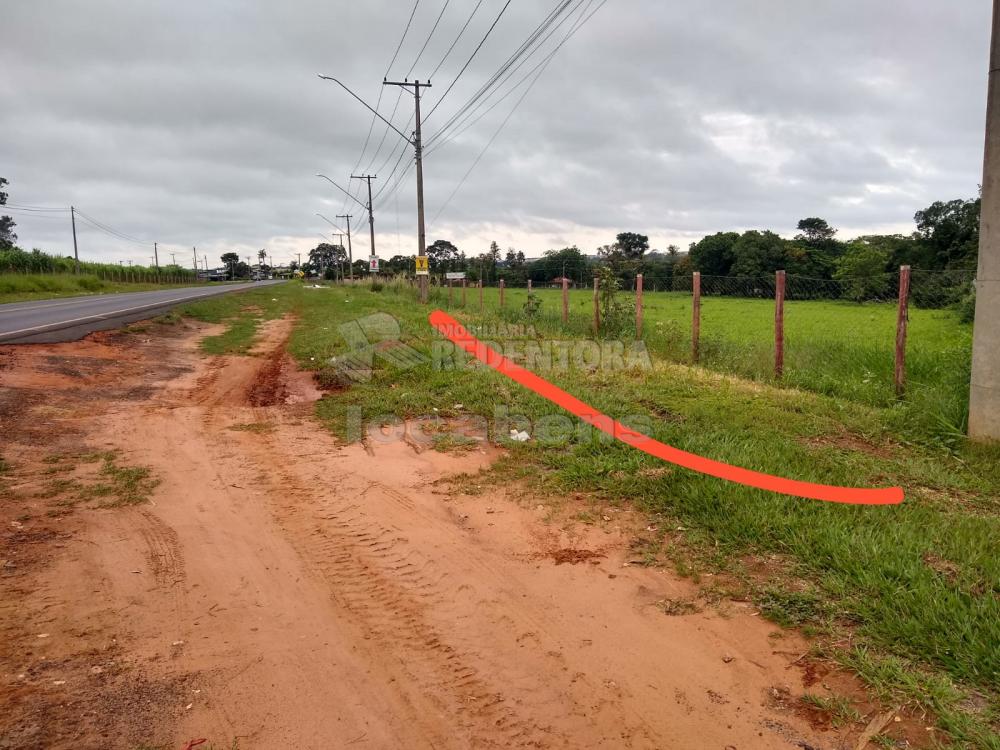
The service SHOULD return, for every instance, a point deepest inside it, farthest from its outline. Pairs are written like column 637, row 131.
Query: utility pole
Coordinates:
column 418, row 151
column 417, row 144
column 76, row 254
column 984, row 396
column 156, row 256
column 350, row 252
column 371, row 216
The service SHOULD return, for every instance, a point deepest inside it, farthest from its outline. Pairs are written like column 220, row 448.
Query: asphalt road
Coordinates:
column 72, row 318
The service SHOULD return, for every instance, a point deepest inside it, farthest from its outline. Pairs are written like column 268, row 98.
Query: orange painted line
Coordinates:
column 457, row 334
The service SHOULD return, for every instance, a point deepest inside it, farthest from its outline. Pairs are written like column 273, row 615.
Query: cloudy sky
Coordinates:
column 205, row 123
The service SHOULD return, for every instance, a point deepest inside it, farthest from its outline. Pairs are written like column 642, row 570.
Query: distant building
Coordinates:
column 557, row 282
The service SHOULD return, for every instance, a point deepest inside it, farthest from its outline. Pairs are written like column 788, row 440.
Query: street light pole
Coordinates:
column 350, row 252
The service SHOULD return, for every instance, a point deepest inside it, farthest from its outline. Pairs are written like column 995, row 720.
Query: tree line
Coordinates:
column 946, row 237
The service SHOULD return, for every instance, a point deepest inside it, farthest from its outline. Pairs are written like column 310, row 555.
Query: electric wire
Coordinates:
column 460, row 122
column 496, row 133
column 471, row 58
column 531, row 43
column 378, row 103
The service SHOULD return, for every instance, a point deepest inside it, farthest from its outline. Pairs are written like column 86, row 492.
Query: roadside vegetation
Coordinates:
column 27, row 287
column 908, row 597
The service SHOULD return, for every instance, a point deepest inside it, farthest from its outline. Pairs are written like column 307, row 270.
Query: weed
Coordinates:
column 678, row 607
column 838, row 708
column 789, row 608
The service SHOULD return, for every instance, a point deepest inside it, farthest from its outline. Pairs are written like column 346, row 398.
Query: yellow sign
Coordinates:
column 422, row 265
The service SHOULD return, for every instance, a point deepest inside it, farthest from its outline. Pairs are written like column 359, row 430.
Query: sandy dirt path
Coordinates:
column 283, row 590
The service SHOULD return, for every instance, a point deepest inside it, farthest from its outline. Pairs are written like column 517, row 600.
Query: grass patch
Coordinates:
column 114, row 484
column 27, row 287
column 242, row 314
column 838, row 709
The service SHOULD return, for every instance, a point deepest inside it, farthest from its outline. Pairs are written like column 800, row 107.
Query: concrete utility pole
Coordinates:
column 416, row 142
column 350, row 252
column 984, row 396
column 76, row 254
column 156, row 256
column 418, row 151
column 371, row 216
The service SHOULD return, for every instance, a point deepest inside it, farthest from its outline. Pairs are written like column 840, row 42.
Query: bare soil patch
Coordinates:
column 283, row 590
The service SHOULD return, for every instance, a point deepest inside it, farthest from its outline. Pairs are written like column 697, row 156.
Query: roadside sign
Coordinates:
column 373, row 264
column 451, row 275
column 422, row 269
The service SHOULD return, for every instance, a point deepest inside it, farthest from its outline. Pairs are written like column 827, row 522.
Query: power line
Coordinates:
column 40, row 209
column 426, row 41
column 471, row 57
column 460, row 120
column 399, row 94
column 460, row 33
column 110, row 230
column 381, row 91
column 531, row 42
column 401, row 147
column 496, row 133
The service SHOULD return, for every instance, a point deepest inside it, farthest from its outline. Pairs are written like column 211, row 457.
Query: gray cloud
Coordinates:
column 203, row 124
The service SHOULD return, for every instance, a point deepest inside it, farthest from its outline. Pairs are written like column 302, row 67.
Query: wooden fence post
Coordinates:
column 902, row 318
column 779, row 323
column 565, row 299
column 529, row 286
column 695, row 314
column 463, row 293
column 597, row 306
column 501, row 292
column 638, row 306
column 480, row 296
column 451, row 292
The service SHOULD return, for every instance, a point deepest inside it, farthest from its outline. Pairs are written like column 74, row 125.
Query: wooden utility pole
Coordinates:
column 76, row 254
column 156, row 257
column 597, row 306
column 638, row 306
column 902, row 318
column 350, row 252
column 779, row 323
column 371, row 217
column 418, row 150
column 695, row 316
column 984, row 397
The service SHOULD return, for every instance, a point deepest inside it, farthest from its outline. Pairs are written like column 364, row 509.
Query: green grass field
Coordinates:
column 907, row 596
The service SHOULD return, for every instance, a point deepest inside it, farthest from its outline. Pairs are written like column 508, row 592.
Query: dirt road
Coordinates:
column 278, row 589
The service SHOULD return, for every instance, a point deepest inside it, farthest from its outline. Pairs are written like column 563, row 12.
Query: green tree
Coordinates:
column 631, row 245
column 757, row 254
column 816, row 232
column 326, row 257
column 569, row 261
column 950, row 231
column 713, row 255
column 230, row 261
column 442, row 256
column 7, row 224
column 862, row 269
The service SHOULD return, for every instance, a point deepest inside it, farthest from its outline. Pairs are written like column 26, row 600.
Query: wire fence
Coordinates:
column 855, row 337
